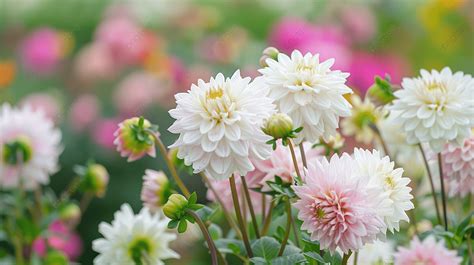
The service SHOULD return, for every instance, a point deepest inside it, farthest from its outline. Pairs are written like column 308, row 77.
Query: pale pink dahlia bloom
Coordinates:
column 458, row 167
column 155, row 190
column 336, row 205
column 281, row 164
column 428, row 252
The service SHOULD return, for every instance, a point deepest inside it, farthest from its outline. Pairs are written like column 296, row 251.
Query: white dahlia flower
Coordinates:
column 219, row 123
column 309, row 92
column 377, row 253
column 396, row 192
column 437, row 107
column 29, row 147
column 134, row 239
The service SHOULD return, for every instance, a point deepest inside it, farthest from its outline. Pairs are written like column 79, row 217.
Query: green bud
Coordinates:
column 269, row 52
column 381, row 92
column 56, row 258
column 278, row 126
column 175, row 207
column 70, row 214
column 95, row 180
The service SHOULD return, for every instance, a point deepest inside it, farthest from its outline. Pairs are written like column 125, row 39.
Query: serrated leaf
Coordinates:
column 266, row 247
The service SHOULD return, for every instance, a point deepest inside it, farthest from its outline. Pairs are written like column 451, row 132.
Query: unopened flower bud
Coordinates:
column 134, row 140
column 175, row 206
column 155, row 190
column 95, row 179
column 381, row 92
column 269, row 52
column 70, row 214
column 278, row 126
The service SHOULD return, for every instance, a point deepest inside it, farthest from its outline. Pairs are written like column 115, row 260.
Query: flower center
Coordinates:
column 214, row 93
column 433, row 86
column 17, row 151
column 364, row 118
column 218, row 104
column 139, row 250
column 390, row 182
column 319, row 213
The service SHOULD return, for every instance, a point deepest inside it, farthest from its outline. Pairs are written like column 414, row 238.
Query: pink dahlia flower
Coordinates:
column 155, row 190
column 95, row 62
column 337, row 207
column 41, row 51
column 60, row 238
column 365, row 66
column 458, row 167
column 281, row 164
column 44, row 102
column 428, row 252
column 84, row 112
column 103, row 132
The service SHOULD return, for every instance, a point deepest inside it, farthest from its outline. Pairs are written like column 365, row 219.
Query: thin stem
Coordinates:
column 226, row 213
column 295, row 161
column 249, row 203
column 264, row 204
column 303, row 155
column 85, row 201
column 18, row 251
column 207, row 236
column 469, row 248
column 295, row 232
column 356, row 256
column 430, row 176
column 266, row 223
column 240, row 220
column 288, row 227
column 345, row 258
column 71, row 188
column 170, row 165
column 443, row 192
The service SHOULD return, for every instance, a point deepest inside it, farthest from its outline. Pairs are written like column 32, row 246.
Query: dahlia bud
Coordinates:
column 156, row 189
column 95, row 179
column 70, row 214
column 278, row 126
column 134, row 140
column 381, row 92
column 269, row 52
column 175, row 207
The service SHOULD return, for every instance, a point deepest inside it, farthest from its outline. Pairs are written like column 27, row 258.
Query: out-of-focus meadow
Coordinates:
column 89, row 64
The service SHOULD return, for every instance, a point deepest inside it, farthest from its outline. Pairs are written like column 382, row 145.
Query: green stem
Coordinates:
column 345, row 258
column 170, row 165
column 356, row 257
column 469, row 248
column 85, row 201
column 288, row 227
column 295, row 232
column 249, row 203
column 268, row 218
column 443, row 192
column 295, row 161
column 430, row 176
column 303, row 155
column 207, row 236
column 238, row 213
column 226, row 213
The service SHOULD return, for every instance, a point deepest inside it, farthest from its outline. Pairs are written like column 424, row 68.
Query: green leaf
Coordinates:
column 292, row 259
column 192, row 198
column 258, row 261
column 183, row 225
column 314, row 256
column 464, row 223
column 215, row 231
column 173, row 224
column 266, row 247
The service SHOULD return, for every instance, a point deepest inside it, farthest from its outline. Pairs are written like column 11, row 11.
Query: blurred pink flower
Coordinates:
column 44, row 102
column 359, row 22
column 61, row 238
column 126, row 41
column 178, row 71
column 94, row 62
column 103, row 132
column 194, row 73
column 84, row 112
column 428, row 252
column 365, row 66
column 296, row 34
column 41, row 51
column 138, row 91
column 458, row 168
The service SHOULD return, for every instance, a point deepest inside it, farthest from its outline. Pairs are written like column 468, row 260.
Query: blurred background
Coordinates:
column 89, row 64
